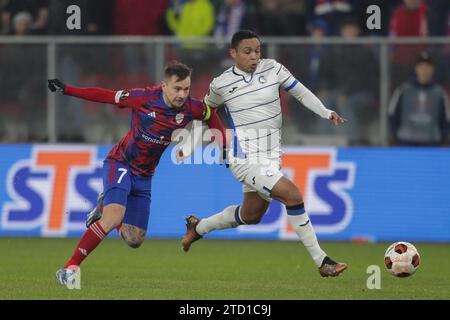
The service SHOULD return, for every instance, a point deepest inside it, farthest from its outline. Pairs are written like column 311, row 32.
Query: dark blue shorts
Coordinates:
column 122, row 187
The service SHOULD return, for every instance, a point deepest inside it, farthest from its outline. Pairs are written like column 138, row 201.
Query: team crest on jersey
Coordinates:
column 124, row 95
column 179, row 118
column 262, row 79
column 269, row 173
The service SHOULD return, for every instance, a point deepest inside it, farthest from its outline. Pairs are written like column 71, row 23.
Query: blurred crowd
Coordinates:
column 345, row 77
column 222, row 18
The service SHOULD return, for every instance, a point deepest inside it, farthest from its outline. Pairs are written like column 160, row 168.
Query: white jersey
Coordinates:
column 252, row 102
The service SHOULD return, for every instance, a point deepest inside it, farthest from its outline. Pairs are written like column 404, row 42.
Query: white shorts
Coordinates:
column 258, row 178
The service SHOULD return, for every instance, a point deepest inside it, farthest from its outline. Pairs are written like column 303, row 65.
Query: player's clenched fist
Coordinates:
column 56, row 85
column 336, row 119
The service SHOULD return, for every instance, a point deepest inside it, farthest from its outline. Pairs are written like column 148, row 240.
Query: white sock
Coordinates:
column 305, row 231
column 227, row 218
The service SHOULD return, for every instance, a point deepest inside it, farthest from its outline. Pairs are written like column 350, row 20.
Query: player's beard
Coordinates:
column 177, row 103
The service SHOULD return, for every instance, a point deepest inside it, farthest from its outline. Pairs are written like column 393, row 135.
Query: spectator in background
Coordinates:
column 408, row 20
column 446, row 53
column 72, row 59
column 349, row 79
column 334, row 12
column 194, row 18
column 419, row 113
column 386, row 9
column 22, row 23
column 100, row 17
column 232, row 16
column 438, row 11
column 139, row 17
column 282, row 18
column 22, row 68
column 38, row 9
column 318, row 29
column 229, row 18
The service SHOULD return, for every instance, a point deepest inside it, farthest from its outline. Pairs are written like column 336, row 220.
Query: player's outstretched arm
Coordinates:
column 92, row 94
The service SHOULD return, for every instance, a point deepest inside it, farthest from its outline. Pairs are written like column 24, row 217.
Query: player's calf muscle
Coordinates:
column 253, row 208
column 252, row 215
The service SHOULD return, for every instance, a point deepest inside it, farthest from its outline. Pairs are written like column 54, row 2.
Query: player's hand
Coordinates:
column 336, row 119
column 56, row 85
column 179, row 155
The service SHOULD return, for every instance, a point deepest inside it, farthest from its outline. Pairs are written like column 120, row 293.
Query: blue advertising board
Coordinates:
column 350, row 193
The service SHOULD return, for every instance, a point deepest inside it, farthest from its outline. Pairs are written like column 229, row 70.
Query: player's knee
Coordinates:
column 134, row 243
column 293, row 197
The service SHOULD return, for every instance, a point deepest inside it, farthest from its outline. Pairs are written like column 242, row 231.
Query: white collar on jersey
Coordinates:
column 245, row 75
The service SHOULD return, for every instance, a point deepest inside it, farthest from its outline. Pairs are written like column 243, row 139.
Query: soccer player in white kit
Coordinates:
column 250, row 93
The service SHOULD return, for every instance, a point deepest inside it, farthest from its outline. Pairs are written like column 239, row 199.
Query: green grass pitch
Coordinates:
column 213, row 269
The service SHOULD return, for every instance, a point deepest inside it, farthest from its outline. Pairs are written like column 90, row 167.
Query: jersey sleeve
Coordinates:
column 130, row 98
column 285, row 78
column 290, row 84
column 213, row 97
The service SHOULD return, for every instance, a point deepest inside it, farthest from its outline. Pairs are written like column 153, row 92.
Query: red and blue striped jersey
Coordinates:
column 152, row 125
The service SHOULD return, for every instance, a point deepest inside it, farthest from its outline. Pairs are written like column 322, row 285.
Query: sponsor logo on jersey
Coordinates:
column 179, row 118
column 124, row 95
column 262, row 79
column 154, row 140
column 152, row 114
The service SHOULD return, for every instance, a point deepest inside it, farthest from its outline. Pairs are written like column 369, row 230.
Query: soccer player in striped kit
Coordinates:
column 128, row 169
column 250, row 93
